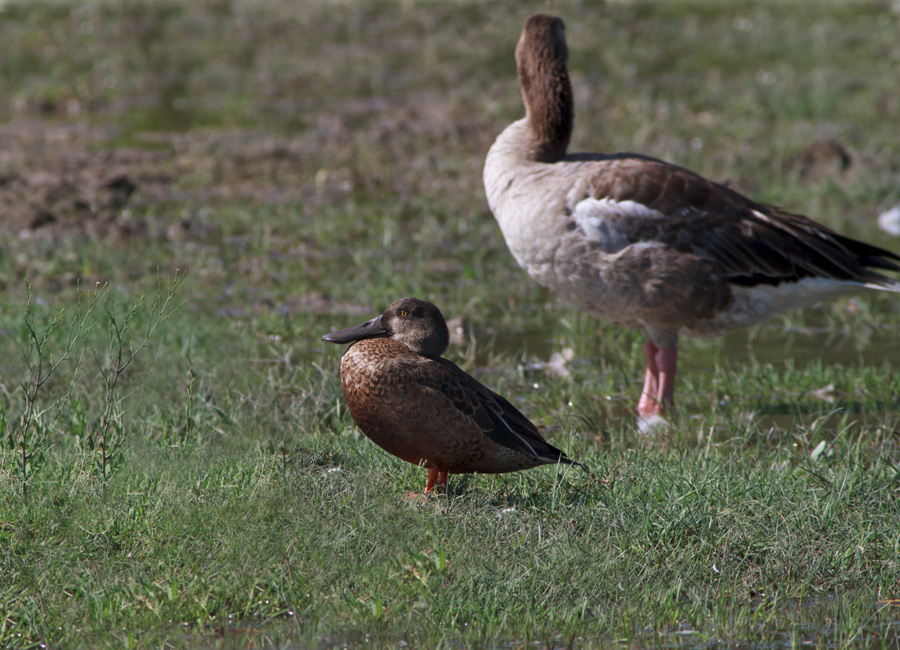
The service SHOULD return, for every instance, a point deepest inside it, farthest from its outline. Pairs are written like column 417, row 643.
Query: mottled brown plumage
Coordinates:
column 639, row 242
column 422, row 408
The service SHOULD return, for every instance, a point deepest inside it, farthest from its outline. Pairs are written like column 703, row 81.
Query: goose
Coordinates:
column 426, row 410
column 642, row 243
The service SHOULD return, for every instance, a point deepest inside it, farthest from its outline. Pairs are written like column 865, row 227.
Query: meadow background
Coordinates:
column 192, row 193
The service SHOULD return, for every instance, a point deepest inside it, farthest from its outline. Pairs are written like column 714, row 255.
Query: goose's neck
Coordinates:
column 549, row 108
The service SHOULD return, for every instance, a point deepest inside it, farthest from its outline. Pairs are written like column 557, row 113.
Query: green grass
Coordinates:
column 733, row 544
column 299, row 167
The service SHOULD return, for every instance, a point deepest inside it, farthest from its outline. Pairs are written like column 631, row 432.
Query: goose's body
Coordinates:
column 639, row 242
column 424, row 409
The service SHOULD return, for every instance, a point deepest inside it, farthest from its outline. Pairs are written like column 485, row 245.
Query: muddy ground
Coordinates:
column 71, row 176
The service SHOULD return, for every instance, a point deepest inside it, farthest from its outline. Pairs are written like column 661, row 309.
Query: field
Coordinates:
column 192, row 194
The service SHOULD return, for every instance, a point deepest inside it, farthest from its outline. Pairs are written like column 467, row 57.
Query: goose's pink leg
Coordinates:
column 647, row 405
column 667, row 361
column 659, row 380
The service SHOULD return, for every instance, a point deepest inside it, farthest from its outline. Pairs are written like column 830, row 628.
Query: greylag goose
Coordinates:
column 643, row 243
column 426, row 410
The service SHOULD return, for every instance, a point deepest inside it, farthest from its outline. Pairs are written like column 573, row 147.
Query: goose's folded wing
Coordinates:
column 631, row 199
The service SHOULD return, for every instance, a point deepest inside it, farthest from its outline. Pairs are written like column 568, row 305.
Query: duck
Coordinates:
column 423, row 408
column 639, row 242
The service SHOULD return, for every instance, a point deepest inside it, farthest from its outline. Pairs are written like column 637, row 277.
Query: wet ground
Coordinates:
column 60, row 176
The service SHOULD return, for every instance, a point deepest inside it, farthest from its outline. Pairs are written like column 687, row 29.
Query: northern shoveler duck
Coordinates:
column 422, row 408
column 642, row 243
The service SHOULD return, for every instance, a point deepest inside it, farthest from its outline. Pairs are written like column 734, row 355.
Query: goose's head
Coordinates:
column 543, row 42
column 542, row 58
column 418, row 324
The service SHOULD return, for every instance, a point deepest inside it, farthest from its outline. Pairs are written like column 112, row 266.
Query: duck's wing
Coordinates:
column 628, row 199
column 495, row 416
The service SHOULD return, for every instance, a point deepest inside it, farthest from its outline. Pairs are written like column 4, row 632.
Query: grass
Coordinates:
column 324, row 549
column 298, row 168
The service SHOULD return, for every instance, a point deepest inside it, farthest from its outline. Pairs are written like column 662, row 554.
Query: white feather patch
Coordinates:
column 755, row 304
column 761, row 216
column 598, row 220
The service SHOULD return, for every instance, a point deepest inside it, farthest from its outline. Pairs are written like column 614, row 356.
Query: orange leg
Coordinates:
column 659, row 380
column 437, row 481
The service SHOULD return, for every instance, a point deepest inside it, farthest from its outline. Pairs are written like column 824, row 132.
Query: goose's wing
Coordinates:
column 632, row 199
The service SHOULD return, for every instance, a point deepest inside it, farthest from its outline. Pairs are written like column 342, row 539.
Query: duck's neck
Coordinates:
column 549, row 108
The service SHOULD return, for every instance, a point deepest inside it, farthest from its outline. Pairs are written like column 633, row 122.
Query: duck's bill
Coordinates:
column 369, row 330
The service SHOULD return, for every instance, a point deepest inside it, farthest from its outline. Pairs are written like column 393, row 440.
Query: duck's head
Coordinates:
column 418, row 324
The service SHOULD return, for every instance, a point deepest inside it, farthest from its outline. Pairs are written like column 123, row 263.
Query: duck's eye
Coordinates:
column 404, row 313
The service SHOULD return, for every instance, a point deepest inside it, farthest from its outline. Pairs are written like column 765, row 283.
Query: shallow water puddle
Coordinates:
column 870, row 341
column 801, row 346
column 810, row 623
column 764, row 399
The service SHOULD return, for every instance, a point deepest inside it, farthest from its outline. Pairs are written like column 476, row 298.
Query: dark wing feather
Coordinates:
column 495, row 416
column 749, row 242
